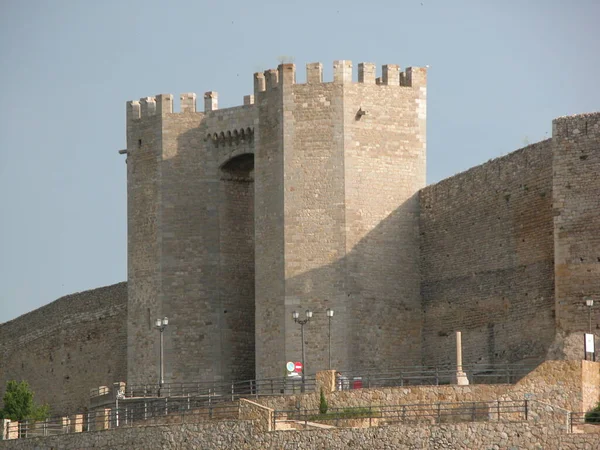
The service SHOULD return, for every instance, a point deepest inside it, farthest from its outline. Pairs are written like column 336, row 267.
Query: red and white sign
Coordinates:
column 298, row 366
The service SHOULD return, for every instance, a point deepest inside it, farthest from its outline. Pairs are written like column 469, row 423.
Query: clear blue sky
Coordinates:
column 500, row 71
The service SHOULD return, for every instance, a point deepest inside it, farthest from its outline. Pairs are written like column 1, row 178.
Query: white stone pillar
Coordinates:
column 461, row 377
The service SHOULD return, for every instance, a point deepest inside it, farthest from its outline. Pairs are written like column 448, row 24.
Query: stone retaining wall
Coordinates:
column 242, row 435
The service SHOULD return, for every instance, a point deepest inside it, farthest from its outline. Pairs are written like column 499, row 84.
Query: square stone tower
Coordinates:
column 302, row 198
column 338, row 165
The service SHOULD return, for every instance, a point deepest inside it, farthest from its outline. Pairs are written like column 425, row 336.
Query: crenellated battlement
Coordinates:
column 162, row 104
column 285, row 74
column 391, row 75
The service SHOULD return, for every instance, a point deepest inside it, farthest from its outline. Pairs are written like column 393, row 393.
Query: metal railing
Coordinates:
column 442, row 412
column 433, row 375
column 228, row 391
column 157, row 411
column 583, row 418
column 402, row 376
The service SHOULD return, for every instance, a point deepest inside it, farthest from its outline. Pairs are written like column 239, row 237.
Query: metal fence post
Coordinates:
column 526, row 409
column 498, row 409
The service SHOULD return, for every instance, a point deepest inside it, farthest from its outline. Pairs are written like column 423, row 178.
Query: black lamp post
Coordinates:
column 161, row 324
column 329, row 316
column 302, row 322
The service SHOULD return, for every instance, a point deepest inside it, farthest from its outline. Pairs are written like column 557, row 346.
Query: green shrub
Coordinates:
column 593, row 416
column 323, row 404
column 346, row 413
column 355, row 413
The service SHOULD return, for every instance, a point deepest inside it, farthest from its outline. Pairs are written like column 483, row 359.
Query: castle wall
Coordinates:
column 314, row 220
column 384, row 167
column 576, row 197
column 325, row 181
column 193, row 279
column 144, row 149
column 270, row 317
column 68, row 347
column 487, row 260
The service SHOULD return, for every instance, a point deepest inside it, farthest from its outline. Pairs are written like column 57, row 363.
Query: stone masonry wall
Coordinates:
column 68, row 347
column 336, row 215
column 576, row 197
column 243, row 435
column 384, row 168
column 552, row 387
column 487, row 261
column 203, row 290
column 144, row 147
column 590, row 385
column 270, row 319
column 564, row 384
column 314, row 217
column 181, row 238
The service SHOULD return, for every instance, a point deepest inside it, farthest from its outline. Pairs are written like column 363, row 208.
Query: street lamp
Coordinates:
column 161, row 324
column 302, row 322
column 329, row 316
column 589, row 302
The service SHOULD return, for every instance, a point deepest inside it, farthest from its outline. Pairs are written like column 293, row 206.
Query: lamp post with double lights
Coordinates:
column 329, row 316
column 160, row 325
column 302, row 322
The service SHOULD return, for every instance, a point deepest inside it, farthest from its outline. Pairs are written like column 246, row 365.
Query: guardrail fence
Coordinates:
column 434, row 413
column 230, row 391
column 147, row 412
column 434, row 375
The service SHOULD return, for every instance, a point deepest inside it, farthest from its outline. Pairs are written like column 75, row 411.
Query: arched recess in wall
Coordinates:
column 236, row 218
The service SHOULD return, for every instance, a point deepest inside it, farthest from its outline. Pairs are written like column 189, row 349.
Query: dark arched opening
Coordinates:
column 236, row 217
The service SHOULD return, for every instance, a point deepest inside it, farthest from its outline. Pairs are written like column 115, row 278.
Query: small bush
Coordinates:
column 323, row 404
column 593, row 416
column 346, row 413
column 352, row 413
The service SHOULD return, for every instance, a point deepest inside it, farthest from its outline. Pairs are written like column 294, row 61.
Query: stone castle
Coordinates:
column 313, row 196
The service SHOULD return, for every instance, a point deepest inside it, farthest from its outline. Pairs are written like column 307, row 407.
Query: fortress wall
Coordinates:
column 487, row 260
column 144, row 147
column 68, row 347
column 314, row 220
column 206, row 294
column 270, row 316
column 576, row 195
column 337, row 189
column 384, row 168
column 177, row 202
column 233, row 153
